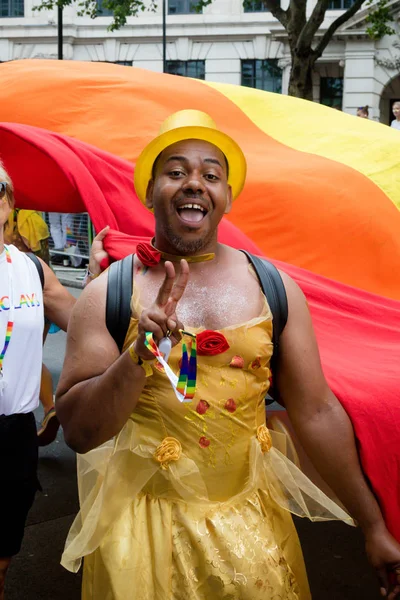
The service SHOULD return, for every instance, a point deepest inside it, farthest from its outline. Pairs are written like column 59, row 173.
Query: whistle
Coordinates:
column 165, row 347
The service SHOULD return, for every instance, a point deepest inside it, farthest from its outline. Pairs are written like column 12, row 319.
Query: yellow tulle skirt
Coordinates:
column 149, row 530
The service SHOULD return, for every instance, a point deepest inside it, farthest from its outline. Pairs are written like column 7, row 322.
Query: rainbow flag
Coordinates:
column 321, row 200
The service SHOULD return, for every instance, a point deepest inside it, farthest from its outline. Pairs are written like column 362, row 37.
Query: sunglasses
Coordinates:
column 3, row 189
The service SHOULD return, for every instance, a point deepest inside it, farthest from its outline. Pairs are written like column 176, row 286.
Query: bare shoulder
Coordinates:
column 299, row 323
column 294, row 294
column 90, row 308
column 234, row 260
column 90, row 347
column 234, row 256
column 87, row 331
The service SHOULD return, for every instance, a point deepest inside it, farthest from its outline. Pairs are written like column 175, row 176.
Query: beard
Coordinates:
column 185, row 247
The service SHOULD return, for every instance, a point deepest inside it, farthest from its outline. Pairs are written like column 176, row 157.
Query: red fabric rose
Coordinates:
column 204, row 442
column 210, row 343
column 230, row 405
column 148, row 255
column 202, row 407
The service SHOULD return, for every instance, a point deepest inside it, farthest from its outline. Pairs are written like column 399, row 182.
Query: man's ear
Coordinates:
column 228, row 201
column 149, row 195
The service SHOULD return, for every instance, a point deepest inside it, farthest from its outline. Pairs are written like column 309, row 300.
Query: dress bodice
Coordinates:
column 216, row 427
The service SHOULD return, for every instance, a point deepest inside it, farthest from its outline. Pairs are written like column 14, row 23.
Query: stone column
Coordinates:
column 359, row 80
column 285, row 65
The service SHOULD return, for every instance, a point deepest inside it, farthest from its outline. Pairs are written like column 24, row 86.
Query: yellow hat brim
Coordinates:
column 232, row 152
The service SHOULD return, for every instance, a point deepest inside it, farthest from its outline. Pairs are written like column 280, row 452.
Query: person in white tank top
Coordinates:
column 23, row 307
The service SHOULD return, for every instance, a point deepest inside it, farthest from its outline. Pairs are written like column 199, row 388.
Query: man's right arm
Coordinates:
column 98, row 388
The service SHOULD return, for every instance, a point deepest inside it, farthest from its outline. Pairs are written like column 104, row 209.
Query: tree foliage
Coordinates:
column 306, row 40
column 378, row 20
column 121, row 9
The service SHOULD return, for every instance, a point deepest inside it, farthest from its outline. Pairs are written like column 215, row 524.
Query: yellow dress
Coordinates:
column 190, row 502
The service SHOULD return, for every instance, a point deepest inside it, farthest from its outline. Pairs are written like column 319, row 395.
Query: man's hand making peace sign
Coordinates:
column 161, row 319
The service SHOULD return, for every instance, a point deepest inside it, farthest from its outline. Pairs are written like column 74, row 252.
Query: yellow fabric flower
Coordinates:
column 264, row 437
column 170, row 449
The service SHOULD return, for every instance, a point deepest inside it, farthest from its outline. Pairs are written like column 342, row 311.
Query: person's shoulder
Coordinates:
column 18, row 254
column 97, row 286
column 90, row 307
column 293, row 291
column 235, row 260
column 234, row 254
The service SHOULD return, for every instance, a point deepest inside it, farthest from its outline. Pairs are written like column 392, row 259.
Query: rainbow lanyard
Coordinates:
column 10, row 323
column 188, row 374
column 184, row 386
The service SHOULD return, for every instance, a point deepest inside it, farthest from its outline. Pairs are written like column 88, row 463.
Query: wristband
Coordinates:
column 137, row 360
column 90, row 274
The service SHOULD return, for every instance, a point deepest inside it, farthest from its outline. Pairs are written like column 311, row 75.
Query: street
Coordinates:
column 334, row 555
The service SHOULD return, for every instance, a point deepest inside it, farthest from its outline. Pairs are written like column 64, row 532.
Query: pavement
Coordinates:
column 334, row 555
column 69, row 276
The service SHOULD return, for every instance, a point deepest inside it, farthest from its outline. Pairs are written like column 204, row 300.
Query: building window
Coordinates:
column 262, row 75
column 340, row 4
column 252, row 6
column 187, row 68
column 331, row 91
column 11, row 8
column 102, row 11
column 182, row 7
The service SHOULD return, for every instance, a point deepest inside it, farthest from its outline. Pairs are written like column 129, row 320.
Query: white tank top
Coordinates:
column 23, row 359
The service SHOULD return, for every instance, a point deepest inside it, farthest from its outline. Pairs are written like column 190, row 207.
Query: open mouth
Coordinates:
column 192, row 213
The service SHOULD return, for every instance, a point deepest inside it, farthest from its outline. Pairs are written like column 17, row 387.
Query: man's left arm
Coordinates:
column 326, row 433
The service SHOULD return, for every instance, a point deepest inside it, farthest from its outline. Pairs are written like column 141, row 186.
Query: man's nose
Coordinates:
column 194, row 183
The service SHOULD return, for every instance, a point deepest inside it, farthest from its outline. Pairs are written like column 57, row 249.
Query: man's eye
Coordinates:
column 211, row 177
column 175, row 173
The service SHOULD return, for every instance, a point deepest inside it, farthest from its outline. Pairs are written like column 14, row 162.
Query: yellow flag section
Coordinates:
column 366, row 146
column 321, row 189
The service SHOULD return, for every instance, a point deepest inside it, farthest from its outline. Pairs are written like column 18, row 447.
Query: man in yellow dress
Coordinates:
column 187, row 500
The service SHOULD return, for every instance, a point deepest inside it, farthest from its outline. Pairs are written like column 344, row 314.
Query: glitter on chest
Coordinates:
column 220, row 306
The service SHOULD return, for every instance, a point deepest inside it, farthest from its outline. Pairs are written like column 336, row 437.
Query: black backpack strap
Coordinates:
column 119, row 292
column 274, row 290
column 38, row 265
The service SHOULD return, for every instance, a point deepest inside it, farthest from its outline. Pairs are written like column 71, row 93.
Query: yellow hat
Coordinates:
column 188, row 125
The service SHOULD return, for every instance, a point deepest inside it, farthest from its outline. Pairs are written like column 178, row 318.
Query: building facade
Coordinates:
column 227, row 42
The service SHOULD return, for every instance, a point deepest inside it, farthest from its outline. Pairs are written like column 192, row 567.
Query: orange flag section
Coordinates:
column 298, row 207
